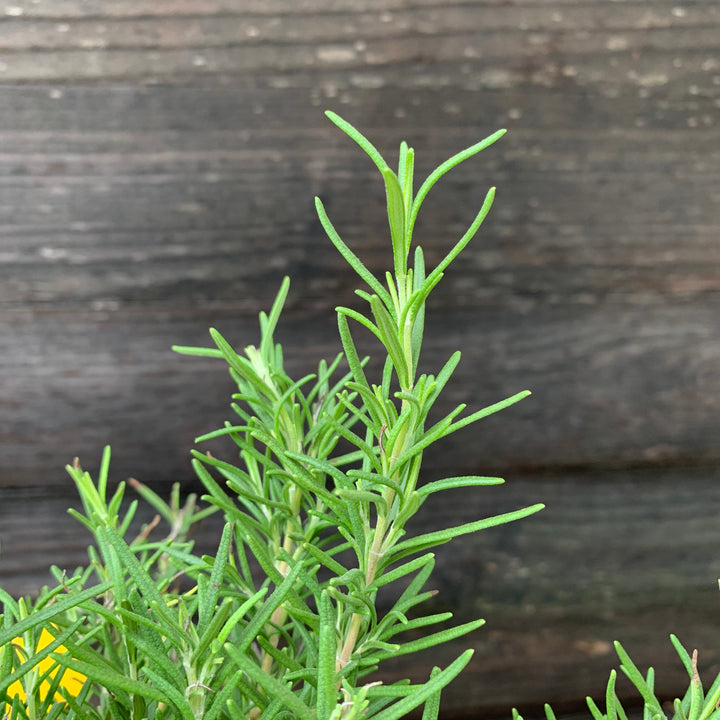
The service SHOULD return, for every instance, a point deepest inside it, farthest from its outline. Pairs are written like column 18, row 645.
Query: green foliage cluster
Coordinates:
column 696, row 704
column 282, row 621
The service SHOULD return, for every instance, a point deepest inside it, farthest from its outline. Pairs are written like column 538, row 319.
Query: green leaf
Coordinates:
column 430, row 688
column 367, row 451
column 173, row 694
column 276, row 599
column 120, row 618
column 389, row 337
column 140, row 576
column 630, row 669
column 679, row 710
column 154, row 652
column 217, row 495
column 712, row 702
column 414, row 311
column 273, row 688
column 351, row 352
column 322, row 466
column 428, row 540
column 239, row 614
column 436, row 174
column 269, row 323
column 327, row 652
column 353, row 260
column 446, row 373
column 377, row 411
column 103, row 473
column 304, row 479
column 285, row 401
column 422, row 621
column 110, row 679
column 207, row 603
column 238, row 363
column 152, row 499
column 594, row 710
column 285, row 661
column 403, row 168
column 412, row 596
column 80, row 705
column 360, row 318
column 610, row 698
column 474, row 417
column 40, row 617
column 437, row 431
column 11, row 608
column 432, row 704
column 197, row 351
column 406, row 168
column 683, row 654
column 438, row 638
column 457, row 482
column 374, row 479
column 113, row 565
column 359, row 138
column 396, row 218
column 464, row 240
column 622, row 715
column 418, row 313
column 405, row 569
column 360, row 497
column 696, row 693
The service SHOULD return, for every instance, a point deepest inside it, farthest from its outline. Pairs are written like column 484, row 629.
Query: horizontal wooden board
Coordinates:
column 615, row 555
column 171, row 40
column 135, row 218
column 76, row 381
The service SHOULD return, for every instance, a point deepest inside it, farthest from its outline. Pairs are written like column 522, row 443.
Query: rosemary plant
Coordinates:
column 283, row 620
column 696, row 704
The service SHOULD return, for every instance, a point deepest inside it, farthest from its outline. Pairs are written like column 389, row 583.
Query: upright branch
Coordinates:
column 397, row 408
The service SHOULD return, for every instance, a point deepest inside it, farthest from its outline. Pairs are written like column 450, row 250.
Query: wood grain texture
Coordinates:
column 146, row 229
column 157, row 41
column 158, row 162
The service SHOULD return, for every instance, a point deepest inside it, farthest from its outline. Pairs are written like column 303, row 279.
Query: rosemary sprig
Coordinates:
column 283, row 621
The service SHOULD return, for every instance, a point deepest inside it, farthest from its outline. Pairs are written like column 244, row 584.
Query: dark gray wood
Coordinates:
column 158, row 162
column 88, row 378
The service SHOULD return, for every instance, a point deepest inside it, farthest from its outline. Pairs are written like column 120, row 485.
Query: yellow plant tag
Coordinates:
column 71, row 681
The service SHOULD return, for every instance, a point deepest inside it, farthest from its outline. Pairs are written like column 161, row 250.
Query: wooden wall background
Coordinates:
column 158, row 162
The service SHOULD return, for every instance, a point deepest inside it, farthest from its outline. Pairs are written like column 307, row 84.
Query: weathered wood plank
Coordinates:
column 615, row 555
column 77, row 380
column 113, row 215
column 548, row 41
column 435, row 117
column 581, row 29
column 79, row 9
